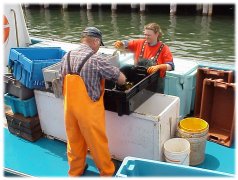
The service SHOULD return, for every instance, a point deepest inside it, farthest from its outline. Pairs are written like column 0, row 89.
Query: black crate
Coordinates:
column 15, row 88
column 27, row 128
column 30, row 137
column 124, row 102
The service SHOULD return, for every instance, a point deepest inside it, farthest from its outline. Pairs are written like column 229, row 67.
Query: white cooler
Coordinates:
column 140, row 134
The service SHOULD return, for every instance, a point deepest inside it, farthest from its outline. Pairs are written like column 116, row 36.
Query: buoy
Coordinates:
column 6, row 29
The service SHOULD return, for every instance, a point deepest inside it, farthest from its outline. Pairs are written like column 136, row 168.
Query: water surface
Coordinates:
column 189, row 36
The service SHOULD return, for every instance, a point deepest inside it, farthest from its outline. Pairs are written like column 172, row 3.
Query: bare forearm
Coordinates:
column 121, row 79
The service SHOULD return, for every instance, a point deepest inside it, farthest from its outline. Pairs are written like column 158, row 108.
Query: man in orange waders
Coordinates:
column 83, row 72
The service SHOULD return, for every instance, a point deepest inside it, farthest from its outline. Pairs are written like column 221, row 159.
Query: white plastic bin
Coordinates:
column 51, row 114
column 141, row 134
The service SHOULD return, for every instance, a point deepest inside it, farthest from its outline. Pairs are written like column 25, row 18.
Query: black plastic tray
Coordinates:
column 15, row 88
column 124, row 102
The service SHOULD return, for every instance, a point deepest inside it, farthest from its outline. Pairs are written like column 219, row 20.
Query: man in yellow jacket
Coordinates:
column 83, row 72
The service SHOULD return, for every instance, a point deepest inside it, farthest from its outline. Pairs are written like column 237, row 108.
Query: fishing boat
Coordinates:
column 137, row 133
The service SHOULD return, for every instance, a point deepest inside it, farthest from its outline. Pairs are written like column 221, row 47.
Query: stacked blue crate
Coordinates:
column 27, row 64
column 26, row 107
column 15, row 88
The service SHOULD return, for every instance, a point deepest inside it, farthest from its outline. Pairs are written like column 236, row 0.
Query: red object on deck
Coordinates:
column 203, row 73
column 218, row 109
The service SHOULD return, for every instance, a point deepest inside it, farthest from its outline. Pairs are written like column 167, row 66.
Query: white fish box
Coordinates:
column 140, row 134
column 51, row 114
column 143, row 132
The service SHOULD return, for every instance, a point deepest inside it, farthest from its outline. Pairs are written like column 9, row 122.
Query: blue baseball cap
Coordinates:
column 93, row 31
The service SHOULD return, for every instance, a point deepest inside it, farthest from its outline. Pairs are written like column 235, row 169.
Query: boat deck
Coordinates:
column 43, row 158
column 47, row 158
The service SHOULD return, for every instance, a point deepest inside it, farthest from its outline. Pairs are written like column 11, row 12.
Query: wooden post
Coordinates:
column 46, row 6
column 209, row 9
column 114, row 7
column 26, row 5
column 205, row 9
column 133, row 6
column 65, row 6
column 173, row 9
column 142, row 7
column 89, row 6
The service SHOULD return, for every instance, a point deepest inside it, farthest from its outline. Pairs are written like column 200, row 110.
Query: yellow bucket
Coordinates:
column 195, row 130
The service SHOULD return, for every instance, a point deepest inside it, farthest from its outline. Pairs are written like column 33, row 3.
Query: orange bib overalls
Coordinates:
column 85, row 127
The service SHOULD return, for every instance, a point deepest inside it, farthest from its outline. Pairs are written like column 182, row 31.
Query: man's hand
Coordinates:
column 118, row 44
column 155, row 68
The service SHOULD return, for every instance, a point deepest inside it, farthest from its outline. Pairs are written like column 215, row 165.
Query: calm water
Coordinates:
column 193, row 37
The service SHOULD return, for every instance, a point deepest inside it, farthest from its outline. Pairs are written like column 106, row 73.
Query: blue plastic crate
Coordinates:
column 138, row 167
column 26, row 107
column 180, row 82
column 27, row 64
